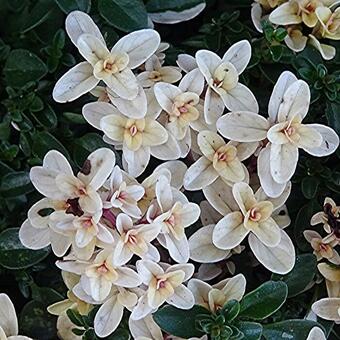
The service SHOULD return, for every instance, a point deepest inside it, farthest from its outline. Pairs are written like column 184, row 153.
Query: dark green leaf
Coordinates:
column 15, row 184
column 46, row 117
column 333, row 116
column 264, row 301
column 68, row 6
column 126, row 15
column 230, row 310
column 75, row 317
column 289, row 329
column 74, row 118
column 178, row 322
column 13, row 255
column 251, row 330
column 23, row 66
column 309, row 186
column 300, row 276
column 174, row 5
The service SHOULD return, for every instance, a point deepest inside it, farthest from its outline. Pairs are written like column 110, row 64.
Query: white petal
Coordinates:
column 256, row 16
column 243, row 126
column 283, row 161
column 328, row 52
column 92, row 48
column 327, row 308
column 94, row 112
column 316, row 334
column 234, row 288
column 286, row 79
column 330, row 141
column 127, row 278
column 60, row 243
column 178, row 249
column 285, row 14
column 74, row 83
column 34, row 238
column 177, row 170
column 279, row 259
column 213, row 106
column 192, row 82
column 142, row 309
column 202, row 248
column 137, row 160
column 239, row 55
column 182, row 298
column 8, row 318
column 78, row 23
column 145, row 327
column 169, row 150
column 207, row 62
column 147, row 269
column 108, row 317
column 165, row 94
column 240, row 98
column 186, row 62
column 139, row 46
column 269, row 185
column 279, row 201
column 200, row 175
column 36, row 220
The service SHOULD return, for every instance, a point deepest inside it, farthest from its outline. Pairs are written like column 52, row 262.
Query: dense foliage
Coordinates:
column 35, row 52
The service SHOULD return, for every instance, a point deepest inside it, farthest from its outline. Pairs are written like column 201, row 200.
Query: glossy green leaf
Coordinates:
column 46, row 117
column 178, row 322
column 15, row 184
column 68, row 6
column 23, row 66
column 251, row 330
column 289, row 329
column 126, row 15
column 301, row 275
column 13, row 255
column 309, row 186
column 174, row 5
column 264, row 300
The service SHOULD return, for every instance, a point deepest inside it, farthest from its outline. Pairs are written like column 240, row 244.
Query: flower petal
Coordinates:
column 327, row 308
column 327, row 52
column 207, row 62
column 178, row 249
column 209, row 142
column 165, row 94
column 34, row 238
column 182, row 298
column 316, row 334
column 74, row 83
column 285, row 14
column 239, row 55
column 192, row 82
column 213, row 106
column 186, row 62
column 244, row 196
column 92, row 48
column 94, row 112
column 137, row 161
column 268, row 232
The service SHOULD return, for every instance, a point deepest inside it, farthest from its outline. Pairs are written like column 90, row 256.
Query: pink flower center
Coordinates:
column 161, row 283
column 254, row 214
column 87, row 224
column 183, row 109
column 222, row 157
column 102, row 269
column 171, row 220
column 133, row 130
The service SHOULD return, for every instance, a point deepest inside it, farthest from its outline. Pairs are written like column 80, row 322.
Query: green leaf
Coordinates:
column 23, row 66
column 251, row 330
column 68, row 6
column 230, row 310
column 289, row 329
column 300, row 276
column 44, row 141
column 178, row 322
column 264, row 300
column 74, row 118
column 333, row 116
column 309, row 186
column 46, row 117
column 126, row 15
column 15, row 184
column 36, row 322
column 75, row 317
column 13, row 255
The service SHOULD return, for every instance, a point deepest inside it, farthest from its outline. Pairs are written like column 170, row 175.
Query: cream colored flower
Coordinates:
column 332, row 278
column 222, row 75
column 113, row 67
column 215, row 297
column 329, row 23
column 134, row 240
column 295, row 39
column 323, row 247
column 316, row 334
column 8, row 320
column 155, row 72
column 328, row 308
column 219, row 160
column 163, row 286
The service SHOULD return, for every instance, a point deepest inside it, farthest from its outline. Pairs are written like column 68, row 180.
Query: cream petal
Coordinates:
column 285, row 14
column 142, row 309
column 283, row 161
column 170, row 74
column 74, row 83
column 34, row 238
column 192, row 82
column 182, row 298
column 239, row 55
column 295, row 101
column 209, row 142
column 256, row 16
column 145, row 327
column 328, row 52
column 60, row 243
column 56, row 161
column 165, row 94
column 164, row 194
column 207, row 62
column 186, row 62
column 154, row 133
column 8, row 318
column 135, row 108
column 243, row 126
column 189, row 214
column 330, row 141
column 278, row 201
column 202, row 248
column 167, row 151
column 36, row 220
column 178, row 249
column 244, row 196
column 240, row 98
column 113, row 126
column 286, row 79
column 310, row 138
column 200, row 175
column 127, row 278
column 229, row 232
column 60, row 307
column 234, row 288
column 213, row 106
column 269, row 185
column 147, row 269
column 200, row 291
column 139, row 46
column 177, row 170
column 108, row 317
column 94, row 112
column 268, row 232
column 327, row 308
column 279, row 259
column 296, row 43
column 78, row 23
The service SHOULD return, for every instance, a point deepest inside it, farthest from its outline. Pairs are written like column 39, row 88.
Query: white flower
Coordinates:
column 316, row 334
column 113, row 67
column 155, row 72
column 134, row 240
column 122, row 195
column 8, row 320
column 329, row 23
column 224, row 89
column 219, row 160
column 135, row 136
column 332, row 278
column 163, row 286
column 174, row 213
column 215, row 297
column 284, row 130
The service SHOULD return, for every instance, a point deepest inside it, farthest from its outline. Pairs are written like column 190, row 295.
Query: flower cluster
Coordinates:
column 122, row 240
column 306, row 21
